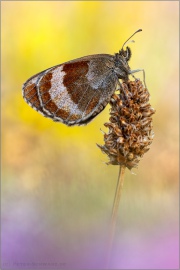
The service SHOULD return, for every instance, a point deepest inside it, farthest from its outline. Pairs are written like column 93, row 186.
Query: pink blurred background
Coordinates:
column 57, row 191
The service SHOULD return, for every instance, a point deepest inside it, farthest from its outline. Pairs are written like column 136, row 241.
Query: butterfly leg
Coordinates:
column 138, row 70
column 121, row 88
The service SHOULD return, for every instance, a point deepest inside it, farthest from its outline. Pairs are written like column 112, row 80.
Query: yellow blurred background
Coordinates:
column 57, row 191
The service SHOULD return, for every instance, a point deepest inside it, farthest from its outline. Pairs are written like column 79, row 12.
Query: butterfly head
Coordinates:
column 122, row 68
column 126, row 54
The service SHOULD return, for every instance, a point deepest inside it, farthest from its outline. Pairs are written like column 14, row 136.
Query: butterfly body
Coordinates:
column 76, row 91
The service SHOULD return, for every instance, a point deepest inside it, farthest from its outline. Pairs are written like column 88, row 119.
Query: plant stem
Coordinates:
column 115, row 211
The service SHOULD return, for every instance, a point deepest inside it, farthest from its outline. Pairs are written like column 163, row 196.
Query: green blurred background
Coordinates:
column 57, row 191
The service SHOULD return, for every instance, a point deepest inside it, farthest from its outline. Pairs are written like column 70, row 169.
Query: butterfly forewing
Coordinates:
column 73, row 92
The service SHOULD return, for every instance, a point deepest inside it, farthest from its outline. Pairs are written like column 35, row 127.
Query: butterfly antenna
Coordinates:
column 139, row 30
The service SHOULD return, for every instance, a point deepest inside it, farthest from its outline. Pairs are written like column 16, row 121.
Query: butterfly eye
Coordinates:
column 128, row 53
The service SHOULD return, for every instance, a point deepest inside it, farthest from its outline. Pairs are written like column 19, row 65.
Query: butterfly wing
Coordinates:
column 73, row 92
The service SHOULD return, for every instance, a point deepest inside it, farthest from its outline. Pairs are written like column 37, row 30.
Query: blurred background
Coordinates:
column 57, row 191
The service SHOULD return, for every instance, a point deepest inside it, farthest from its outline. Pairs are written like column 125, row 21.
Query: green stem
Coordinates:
column 115, row 212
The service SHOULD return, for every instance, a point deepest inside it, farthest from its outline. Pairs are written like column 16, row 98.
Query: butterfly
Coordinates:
column 77, row 91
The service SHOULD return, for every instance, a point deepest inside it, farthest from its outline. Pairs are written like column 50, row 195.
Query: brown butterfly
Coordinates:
column 76, row 91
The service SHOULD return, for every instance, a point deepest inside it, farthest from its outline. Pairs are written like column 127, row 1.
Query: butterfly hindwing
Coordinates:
column 73, row 92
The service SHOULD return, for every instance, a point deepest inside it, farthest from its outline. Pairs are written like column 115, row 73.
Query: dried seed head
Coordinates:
column 130, row 127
